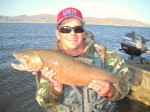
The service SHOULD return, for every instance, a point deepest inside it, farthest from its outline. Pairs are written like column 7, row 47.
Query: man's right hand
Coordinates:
column 48, row 75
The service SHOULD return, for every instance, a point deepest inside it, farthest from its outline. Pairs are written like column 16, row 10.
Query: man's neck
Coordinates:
column 74, row 52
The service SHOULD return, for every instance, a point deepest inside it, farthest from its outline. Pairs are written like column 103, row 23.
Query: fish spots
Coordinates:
column 55, row 63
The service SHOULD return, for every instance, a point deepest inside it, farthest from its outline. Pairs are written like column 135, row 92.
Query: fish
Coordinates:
column 69, row 71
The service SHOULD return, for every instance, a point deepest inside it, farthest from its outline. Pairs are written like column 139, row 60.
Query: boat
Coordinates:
column 138, row 99
column 140, row 90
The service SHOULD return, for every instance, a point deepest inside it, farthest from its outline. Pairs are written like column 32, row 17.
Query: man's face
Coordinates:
column 71, row 40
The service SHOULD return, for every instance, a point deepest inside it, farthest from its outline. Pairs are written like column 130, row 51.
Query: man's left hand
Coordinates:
column 103, row 88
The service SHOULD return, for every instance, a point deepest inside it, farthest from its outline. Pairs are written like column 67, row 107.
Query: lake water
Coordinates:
column 18, row 88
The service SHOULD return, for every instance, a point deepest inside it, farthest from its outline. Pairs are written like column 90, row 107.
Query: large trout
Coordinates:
column 69, row 70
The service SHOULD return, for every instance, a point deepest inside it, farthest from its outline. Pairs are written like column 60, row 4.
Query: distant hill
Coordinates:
column 46, row 18
column 43, row 18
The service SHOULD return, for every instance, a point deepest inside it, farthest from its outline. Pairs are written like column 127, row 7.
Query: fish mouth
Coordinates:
column 21, row 66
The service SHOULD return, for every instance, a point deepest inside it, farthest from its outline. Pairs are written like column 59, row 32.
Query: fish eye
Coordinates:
column 23, row 56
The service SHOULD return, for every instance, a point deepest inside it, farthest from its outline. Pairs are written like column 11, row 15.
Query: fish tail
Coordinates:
column 123, row 85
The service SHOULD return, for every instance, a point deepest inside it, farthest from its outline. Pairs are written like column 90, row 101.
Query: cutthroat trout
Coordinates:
column 69, row 70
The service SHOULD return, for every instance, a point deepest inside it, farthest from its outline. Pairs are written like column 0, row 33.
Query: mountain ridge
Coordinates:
column 48, row 18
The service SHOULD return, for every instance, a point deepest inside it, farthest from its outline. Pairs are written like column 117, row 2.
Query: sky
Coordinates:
column 126, row 9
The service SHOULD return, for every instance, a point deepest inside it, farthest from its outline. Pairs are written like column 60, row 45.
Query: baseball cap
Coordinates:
column 69, row 12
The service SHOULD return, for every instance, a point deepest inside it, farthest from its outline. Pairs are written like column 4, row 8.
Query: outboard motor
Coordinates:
column 133, row 44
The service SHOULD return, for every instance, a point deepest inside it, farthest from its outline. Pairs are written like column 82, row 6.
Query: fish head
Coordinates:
column 29, row 60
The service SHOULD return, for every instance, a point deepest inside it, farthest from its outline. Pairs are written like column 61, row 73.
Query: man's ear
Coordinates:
column 57, row 34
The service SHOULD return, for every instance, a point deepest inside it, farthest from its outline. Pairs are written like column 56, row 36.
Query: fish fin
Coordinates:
column 38, row 76
column 137, row 79
column 123, row 84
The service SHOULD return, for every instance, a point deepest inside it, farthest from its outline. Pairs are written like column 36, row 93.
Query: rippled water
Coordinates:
column 17, row 89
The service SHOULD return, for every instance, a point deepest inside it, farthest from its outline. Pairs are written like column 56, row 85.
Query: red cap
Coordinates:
column 69, row 12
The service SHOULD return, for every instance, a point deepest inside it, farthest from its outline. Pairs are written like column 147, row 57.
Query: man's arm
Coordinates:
column 46, row 95
column 114, row 63
column 117, row 65
column 49, row 91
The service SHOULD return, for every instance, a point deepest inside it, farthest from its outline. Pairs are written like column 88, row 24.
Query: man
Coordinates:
column 99, row 95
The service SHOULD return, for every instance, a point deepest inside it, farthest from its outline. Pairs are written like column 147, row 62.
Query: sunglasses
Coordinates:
column 68, row 29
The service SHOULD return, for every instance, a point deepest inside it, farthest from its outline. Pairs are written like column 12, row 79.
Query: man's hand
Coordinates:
column 103, row 88
column 48, row 75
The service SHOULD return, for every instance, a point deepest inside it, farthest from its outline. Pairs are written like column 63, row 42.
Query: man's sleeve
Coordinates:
column 116, row 65
column 46, row 95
